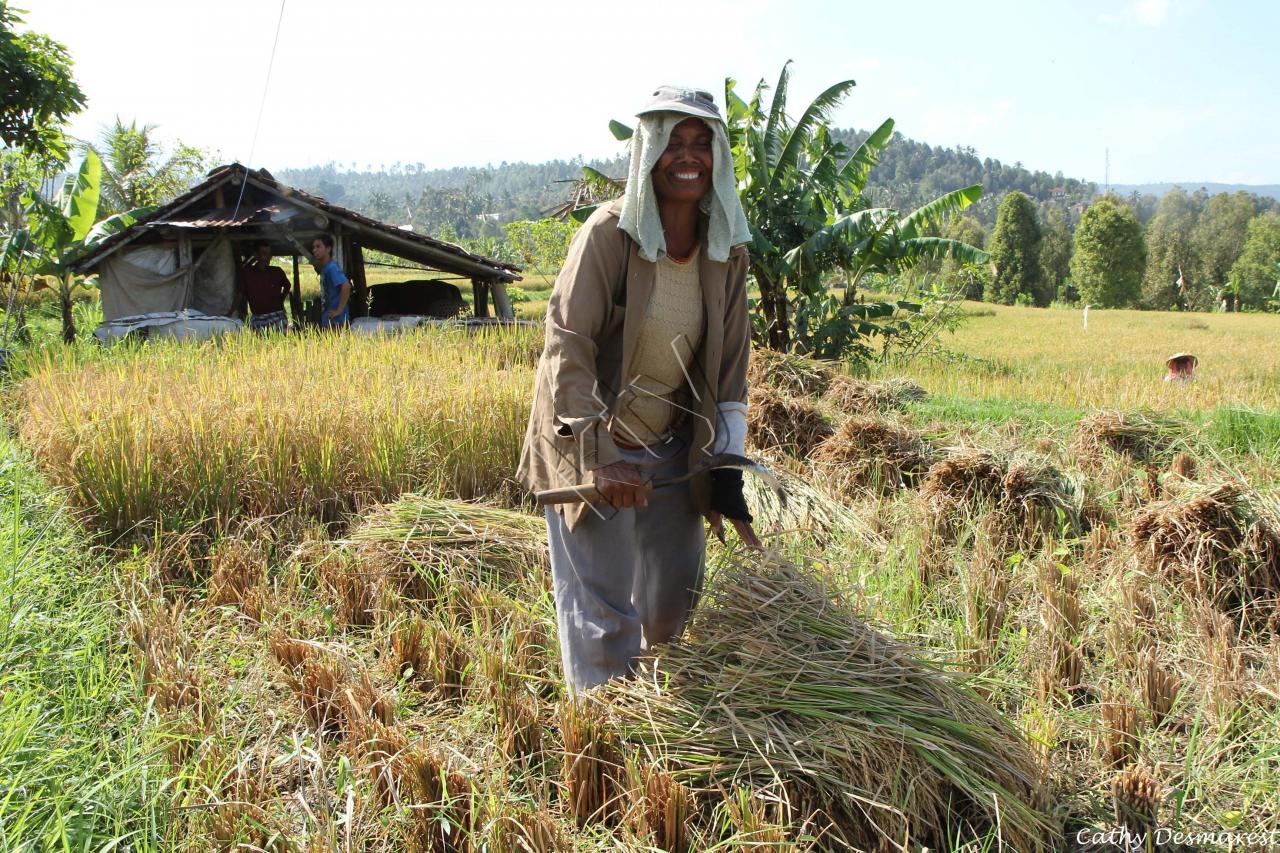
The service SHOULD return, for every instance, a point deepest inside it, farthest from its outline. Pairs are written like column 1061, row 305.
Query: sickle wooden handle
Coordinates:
column 583, row 493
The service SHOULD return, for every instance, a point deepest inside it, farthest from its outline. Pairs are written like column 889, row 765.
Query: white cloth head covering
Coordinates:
column 727, row 226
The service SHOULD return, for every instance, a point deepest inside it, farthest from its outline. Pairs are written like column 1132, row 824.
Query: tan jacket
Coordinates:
column 593, row 321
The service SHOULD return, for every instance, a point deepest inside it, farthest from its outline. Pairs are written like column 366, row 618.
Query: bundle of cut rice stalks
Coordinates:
column 1031, row 497
column 1140, row 436
column 776, row 423
column 811, row 512
column 1221, row 542
column 779, row 686
column 858, row 396
column 875, row 453
column 431, row 537
column 790, row 374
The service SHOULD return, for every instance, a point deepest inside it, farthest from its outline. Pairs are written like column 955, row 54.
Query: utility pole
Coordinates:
column 1107, row 173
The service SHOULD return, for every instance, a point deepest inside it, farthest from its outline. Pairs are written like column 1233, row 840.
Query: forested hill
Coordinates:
column 1158, row 190
column 465, row 200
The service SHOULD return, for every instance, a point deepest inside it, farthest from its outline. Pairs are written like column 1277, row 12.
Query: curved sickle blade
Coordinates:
column 733, row 460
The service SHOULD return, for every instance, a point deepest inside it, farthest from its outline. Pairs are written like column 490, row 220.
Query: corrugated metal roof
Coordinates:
column 170, row 215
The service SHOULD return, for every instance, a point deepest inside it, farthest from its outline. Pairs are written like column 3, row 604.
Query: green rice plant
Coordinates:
column 317, row 425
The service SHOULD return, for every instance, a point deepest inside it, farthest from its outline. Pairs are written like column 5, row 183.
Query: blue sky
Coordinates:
column 1178, row 90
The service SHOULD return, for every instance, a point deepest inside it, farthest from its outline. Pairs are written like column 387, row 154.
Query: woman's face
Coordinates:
column 683, row 172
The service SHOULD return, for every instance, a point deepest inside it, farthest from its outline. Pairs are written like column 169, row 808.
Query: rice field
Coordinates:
column 967, row 633
column 1047, row 356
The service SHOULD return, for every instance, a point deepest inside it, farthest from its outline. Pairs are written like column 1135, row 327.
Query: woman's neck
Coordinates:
column 680, row 226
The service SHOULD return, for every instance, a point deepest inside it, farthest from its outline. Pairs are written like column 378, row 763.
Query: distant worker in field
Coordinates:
column 265, row 288
column 335, row 287
column 643, row 376
column 1182, row 368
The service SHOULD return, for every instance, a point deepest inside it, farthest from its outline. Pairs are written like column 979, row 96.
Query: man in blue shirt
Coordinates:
column 335, row 287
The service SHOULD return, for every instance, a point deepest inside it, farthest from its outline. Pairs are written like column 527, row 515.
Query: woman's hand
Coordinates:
column 744, row 528
column 620, row 485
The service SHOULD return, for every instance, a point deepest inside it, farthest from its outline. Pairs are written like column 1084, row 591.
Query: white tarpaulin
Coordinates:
column 215, row 285
column 146, row 281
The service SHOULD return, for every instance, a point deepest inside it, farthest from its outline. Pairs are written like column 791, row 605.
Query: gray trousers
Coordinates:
column 626, row 579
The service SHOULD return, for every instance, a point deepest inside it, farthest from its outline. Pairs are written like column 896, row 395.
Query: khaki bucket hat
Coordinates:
column 680, row 99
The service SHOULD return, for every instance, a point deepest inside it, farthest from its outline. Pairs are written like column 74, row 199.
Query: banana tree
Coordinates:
column 61, row 228
column 804, row 194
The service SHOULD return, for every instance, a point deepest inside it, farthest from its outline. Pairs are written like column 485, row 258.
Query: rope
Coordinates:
column 262, row 106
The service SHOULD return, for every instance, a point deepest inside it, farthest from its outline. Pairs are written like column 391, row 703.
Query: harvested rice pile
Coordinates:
column 434, row 537
column 871, row 452
column 782, row 688
column 1221, row 543
column 1139, row 436
column 1032, row 496
column 857, row 396
column 792, row 426
column 790, row 374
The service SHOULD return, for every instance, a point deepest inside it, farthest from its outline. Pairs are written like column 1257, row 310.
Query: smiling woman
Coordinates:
column 642, row 377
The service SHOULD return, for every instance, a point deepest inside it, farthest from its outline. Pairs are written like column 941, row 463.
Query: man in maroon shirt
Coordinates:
column 265, row 287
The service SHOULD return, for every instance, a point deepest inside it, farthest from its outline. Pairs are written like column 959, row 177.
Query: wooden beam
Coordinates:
column 295, row 296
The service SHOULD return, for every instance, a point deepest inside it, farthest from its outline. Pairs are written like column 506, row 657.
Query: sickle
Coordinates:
column 588, row 493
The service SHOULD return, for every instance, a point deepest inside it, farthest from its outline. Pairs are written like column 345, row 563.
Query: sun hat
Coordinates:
column 1179, row 356
column 681, row 99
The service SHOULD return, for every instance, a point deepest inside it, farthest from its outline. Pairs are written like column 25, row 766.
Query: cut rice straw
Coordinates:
column 782, row 688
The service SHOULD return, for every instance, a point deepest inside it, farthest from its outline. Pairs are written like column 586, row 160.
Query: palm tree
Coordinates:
column 136, row 171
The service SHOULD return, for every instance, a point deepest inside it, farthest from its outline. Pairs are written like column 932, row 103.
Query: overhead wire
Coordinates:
column 262, row 105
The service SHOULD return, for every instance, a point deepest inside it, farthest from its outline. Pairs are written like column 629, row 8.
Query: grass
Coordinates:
column 297, row 688
column 75, row 768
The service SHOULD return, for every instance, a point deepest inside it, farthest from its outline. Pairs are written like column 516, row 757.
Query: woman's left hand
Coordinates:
column 744, row 528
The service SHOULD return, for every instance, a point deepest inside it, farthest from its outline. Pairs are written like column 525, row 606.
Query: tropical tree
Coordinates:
column 1256, row 270
column 138, row 172
column 1109, row 255
column 803, row 193
column 1172, row 275
column 1055, row 255
column 1219, row 235
column 1015, row 253
column 37, row 90
column 969, row 279
column 61, row 228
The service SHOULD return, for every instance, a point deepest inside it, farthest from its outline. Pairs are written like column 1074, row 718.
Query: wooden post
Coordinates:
column 359, row 285
column 295, row 297
column 501, row 302
column 480, row 297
